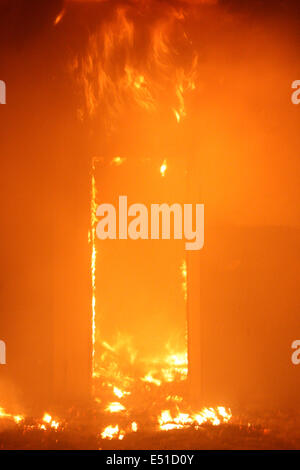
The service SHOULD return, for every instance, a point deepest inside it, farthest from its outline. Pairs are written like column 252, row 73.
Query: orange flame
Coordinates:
column 163, row 168
column 143, row 82
column 181, row 420
column 59, row 17
column 115, row 407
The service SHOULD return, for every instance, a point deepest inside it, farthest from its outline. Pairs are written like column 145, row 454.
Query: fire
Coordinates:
column 59, row 17
column 143, row 82
column 93, row 262
column 177, row 366
column 110, row 432
column 150, row 379
column 186, row 83
column 174, row 398
column 48, row 420
column 181, row 420
column 17, row 418
column 115, row 407
column 117, row 80
column 44, row 424
column 120, row 393
column 134, row 426
column 117, row 161
column 167, row 423
column 163, row 168
column 183, row 269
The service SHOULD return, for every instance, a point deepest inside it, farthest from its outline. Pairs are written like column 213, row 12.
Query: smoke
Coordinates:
column 23, row 20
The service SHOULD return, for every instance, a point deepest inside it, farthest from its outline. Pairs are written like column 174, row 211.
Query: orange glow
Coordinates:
column 142, row 104
column 47, row 418
column 118, row 161
column 59, row 17
column 92, row 239
column 163, row 168
column 140, row 83
column 115, row 407
column 180, row 420
column 134, row 426
column 148, row 378
column 183, row 269
column 17, row 418
column 110, row 432
column 120, row 393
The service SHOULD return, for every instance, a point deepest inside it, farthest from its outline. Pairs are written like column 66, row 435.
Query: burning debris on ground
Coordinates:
column 84, row 432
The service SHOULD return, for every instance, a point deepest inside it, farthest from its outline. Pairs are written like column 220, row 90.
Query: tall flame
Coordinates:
column 116, row 73
column 92, row 239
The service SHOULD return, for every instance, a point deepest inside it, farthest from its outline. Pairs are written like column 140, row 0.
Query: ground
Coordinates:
column 271, row 431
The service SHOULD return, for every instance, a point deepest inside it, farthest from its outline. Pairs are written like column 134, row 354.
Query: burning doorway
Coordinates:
column 139, row 313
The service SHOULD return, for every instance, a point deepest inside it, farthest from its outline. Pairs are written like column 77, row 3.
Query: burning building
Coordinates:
column 162, row 102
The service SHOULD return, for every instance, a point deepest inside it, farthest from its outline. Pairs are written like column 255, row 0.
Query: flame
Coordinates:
column 177, row 366
column 117, row 79
column 150, row 379
column 183, row 269
column 93, row 262
column 59, row 17
column 142, row 81
column 17, row 418
column 181, row 420
column 163, row 168
column 174, row 398
column 185, row 83
column 47, row 418
column 114, row 432
column 47, row 422
column 117, row 161
column 110, row 432
column 134, row 426
column 115, row 407
column 120, row 393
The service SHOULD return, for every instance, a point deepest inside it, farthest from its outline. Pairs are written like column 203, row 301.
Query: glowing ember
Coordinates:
column 149, row 378
column 47, row 418
column 44, row 424
column 134, row 426
column 117, row 161
column 110, row 432
column 181, row 420
column 120, row 393
column 115, row 407
column 183, row 269
column 59, row 17
column 174, row 398
column 18, row 418
column 163, row 168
